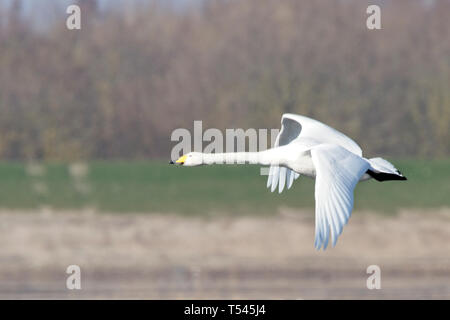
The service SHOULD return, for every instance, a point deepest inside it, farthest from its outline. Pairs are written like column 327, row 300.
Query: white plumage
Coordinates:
column 308, row 147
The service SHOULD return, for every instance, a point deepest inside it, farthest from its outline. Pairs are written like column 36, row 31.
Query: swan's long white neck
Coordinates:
column 267, row 157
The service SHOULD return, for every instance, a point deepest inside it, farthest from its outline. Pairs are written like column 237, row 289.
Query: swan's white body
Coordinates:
column 308, row 147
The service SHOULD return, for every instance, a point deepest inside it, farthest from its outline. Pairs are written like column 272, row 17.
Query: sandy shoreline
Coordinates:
column 168, row 256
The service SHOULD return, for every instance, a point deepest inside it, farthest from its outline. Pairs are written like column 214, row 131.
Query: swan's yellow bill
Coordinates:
column 181, row 160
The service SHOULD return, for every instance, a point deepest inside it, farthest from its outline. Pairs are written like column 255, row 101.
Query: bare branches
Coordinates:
column 118, row 87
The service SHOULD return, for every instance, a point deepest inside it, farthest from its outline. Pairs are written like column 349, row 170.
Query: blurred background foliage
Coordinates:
column 117, row 88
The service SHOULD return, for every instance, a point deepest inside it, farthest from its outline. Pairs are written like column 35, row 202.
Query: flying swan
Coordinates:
column 308, row 147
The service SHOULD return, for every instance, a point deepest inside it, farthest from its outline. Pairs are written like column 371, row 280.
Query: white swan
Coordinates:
column 308, row 147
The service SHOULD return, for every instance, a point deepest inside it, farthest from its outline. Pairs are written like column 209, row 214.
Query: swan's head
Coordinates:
column 190, row 159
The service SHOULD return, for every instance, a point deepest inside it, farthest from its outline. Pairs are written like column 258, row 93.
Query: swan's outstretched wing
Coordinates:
column 337, row 173
column 320, row 132
column 295, row 127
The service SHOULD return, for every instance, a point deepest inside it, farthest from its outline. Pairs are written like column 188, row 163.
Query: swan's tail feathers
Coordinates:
column 382, row 170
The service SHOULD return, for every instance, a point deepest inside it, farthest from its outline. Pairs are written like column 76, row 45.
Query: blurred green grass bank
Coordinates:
column 158, row 187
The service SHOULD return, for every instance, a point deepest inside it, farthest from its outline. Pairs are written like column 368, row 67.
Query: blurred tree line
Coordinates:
column 119, row 86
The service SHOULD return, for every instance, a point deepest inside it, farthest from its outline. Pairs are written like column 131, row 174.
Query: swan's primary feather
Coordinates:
column 279, row 176
column 275, row 176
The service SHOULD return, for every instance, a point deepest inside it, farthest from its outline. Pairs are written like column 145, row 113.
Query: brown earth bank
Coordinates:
column 156, row 256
